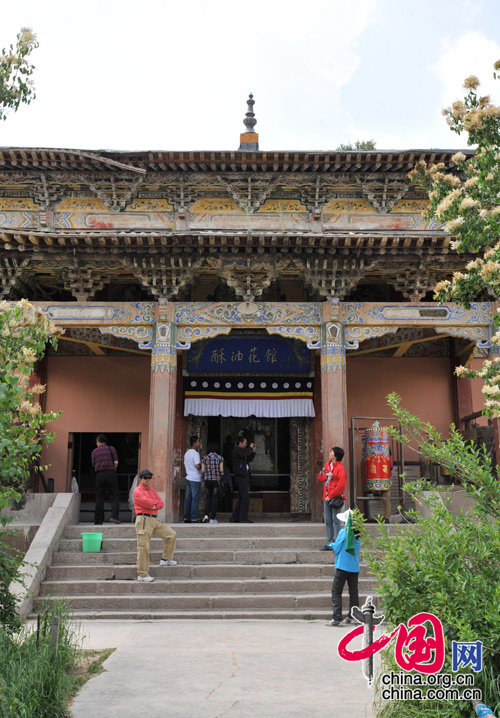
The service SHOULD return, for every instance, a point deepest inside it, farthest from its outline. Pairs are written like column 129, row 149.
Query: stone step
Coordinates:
column 193, row 571
column 203, row 543
column 195, row 557
column 258, row 530
column 146, row 601
column 162, row 615
column 169, row 586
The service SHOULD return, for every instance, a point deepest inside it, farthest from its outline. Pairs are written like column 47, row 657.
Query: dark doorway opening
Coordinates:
column 270, row 470
column 127, row 447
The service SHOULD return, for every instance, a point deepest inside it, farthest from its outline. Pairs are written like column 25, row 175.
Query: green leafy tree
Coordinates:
column 447, row 564
column 358, row 145
column 467, row 202
column 16, row 85
column 24, row 333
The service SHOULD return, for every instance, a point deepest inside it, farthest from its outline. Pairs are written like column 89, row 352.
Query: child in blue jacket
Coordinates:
column 346, row 549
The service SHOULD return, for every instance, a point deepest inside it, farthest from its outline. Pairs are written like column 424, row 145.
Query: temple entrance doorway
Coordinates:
column 270, row 485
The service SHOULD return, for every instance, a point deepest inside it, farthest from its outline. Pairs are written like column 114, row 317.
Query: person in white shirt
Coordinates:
column 192, row 464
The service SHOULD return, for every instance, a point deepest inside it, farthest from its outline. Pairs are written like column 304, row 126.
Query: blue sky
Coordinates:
column 175, row 74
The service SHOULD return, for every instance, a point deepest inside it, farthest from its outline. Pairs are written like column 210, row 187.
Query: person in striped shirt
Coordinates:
column 213, row 471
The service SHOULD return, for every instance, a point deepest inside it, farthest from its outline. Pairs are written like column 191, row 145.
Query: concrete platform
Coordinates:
column 213, row 668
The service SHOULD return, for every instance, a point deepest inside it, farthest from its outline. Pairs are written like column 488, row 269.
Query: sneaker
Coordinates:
column 145, row 579
column 347, row 621
column 327, row 547
column 333, row 622
column 205, row 519
column 214, row 521
column 114, row 521
column 187, row 521
column 196, row 521
column 167, row 562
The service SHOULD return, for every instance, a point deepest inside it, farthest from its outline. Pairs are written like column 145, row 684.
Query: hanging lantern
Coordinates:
column 376, row 459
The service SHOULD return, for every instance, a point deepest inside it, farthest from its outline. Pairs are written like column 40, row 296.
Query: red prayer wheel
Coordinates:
column 376, row 459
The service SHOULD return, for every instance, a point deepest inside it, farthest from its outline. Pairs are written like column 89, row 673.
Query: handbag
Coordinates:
column 220, row 489
column 336, row 503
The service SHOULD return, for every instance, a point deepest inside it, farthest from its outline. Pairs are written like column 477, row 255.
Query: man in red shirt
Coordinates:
column 147, row 503
column 334, row 477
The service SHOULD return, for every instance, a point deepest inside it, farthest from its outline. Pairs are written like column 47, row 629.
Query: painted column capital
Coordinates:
column 333, row 347
column 163, row 351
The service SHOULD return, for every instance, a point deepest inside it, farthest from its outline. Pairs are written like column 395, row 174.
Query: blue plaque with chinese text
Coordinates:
column 249, row 354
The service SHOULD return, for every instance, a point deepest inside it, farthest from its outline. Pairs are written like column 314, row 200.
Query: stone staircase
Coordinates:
column 260, row 570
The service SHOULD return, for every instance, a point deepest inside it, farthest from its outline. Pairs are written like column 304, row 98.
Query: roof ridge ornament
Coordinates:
column 250, row 120
column 249, row 140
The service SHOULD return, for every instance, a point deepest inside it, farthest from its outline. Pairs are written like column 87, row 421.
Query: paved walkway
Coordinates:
column 216, row 668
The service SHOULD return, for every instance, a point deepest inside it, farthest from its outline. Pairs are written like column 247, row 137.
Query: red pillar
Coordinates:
column 335, row 428
column 162, row 406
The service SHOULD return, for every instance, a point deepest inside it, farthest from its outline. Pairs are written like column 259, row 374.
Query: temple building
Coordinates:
column 282, row 293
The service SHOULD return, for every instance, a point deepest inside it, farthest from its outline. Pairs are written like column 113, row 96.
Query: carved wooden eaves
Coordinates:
column 114, row 192
column 249, row 277
column 384, row 193
column 334, row 277
column 414, row 282
column 165, row 277
column 250, row 192
column 82, row 281
column 11, row 271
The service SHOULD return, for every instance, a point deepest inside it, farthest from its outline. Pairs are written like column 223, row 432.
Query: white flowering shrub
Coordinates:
column 467, row 203
column 24, row 333
column 16, row 85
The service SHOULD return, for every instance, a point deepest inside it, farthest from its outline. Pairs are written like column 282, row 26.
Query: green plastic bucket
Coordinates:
column 92, row 542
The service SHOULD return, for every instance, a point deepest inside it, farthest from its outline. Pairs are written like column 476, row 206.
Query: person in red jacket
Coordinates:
column 334, row 477
column 147, row 503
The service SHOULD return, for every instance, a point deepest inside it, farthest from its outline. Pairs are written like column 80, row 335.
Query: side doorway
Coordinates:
column 128, row 447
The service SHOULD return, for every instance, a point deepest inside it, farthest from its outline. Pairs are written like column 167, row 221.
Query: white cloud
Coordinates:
column 470, row 54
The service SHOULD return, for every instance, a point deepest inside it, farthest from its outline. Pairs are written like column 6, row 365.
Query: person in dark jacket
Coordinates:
column 242, row 456
column 105, row 463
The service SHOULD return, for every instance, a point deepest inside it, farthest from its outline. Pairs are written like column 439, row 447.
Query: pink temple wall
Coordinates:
column 108, row 394
column 425, row 386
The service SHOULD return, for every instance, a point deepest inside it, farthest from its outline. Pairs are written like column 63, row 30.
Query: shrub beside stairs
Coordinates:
column 260, row 570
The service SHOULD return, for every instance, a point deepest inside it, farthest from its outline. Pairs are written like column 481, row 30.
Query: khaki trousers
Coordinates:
column 145, row 527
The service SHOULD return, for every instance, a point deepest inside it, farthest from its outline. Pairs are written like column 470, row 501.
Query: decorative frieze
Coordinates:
column 187, row 335
column 140, row 334
column 310, row 335
column 248, row 313
column 427, row 314
column 355, row 335
column 480, row 335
